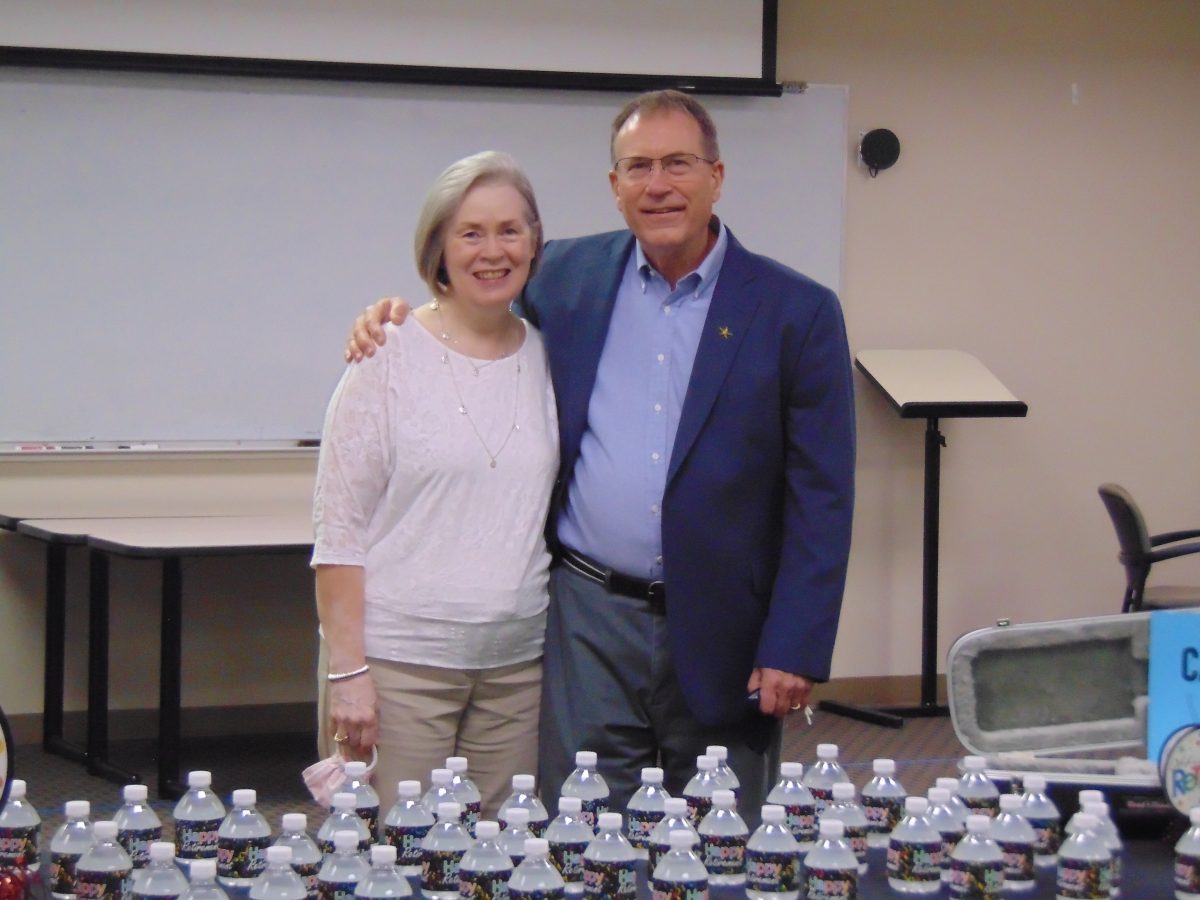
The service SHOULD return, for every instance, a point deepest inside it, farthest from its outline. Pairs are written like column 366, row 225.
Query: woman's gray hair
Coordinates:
column 446, row 196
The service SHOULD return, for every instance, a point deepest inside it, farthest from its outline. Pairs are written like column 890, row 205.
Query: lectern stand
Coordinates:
column 929, row 385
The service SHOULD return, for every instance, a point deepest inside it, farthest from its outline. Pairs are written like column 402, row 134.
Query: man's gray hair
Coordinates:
column 658, row 102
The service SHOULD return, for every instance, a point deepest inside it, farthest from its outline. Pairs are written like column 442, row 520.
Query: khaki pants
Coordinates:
column 427, row 713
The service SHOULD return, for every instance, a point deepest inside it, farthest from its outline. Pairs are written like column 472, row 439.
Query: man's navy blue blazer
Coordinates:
column 760, row 490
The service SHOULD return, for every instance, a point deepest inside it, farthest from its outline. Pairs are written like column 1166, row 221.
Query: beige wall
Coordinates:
column 1042, row 217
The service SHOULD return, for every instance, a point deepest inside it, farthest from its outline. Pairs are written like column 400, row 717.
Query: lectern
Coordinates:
column 929, row 385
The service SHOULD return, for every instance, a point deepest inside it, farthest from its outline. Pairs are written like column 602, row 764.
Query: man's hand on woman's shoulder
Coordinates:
column 368, row 333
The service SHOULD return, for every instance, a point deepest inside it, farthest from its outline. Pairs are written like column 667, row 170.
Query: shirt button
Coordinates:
column 666, row 310
column 654, row 456
column 658, row 560
column 658, row 407
column 654, row 508
column 662, row 357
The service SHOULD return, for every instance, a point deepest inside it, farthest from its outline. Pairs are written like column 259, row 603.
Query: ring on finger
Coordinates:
column 340, row 738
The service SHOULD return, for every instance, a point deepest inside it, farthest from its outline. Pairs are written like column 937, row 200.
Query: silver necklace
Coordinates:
column 448, row 339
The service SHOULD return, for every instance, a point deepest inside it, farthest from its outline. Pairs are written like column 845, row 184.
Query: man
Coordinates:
column 702, row 514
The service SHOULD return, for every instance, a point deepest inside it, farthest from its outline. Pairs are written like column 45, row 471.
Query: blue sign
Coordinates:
column 1173, row 720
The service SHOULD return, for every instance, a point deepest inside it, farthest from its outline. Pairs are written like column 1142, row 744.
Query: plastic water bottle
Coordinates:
column 366, row 801
column 20, row 830
column 645, row 810
column 344, row 868
column 1016, row 838
column 242, row 842
column 977, row 865
column 384, row 881
column 442, row 851
column 823, row 775
column 883, row 802
column 1041, row 813
column 441, row 789
column 105, row 871
column 466, row 794
column 198, row 816
column 512, row 839
column 773, row 858
column 278, row 881
column 679, row 875
column 485, row 869
column 406, row 825
column 699, row 790
column 725, row 774
column 976, row 790
column 675, row 818
column 831, row 868
column 342, row 817
column 609, row 863
column 798, row 804
column 589, row 786
column 161, row 879
column 951, row 786
column 138, row 826
column 1187, row 860
column 306, row 855
column 845, row 808
column 536, row 878
column 723, row 837
column 1084, row 863
column 72, row 838
column 203, row 881
column 569, row 835
column 916, row 855
column 524, row 796
column 1107, row 829
column 949, row 821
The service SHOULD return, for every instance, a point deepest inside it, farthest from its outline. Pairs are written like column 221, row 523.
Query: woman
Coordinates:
column 436, row 467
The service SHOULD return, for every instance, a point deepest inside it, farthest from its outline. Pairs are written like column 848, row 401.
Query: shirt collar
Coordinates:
column 700, row 280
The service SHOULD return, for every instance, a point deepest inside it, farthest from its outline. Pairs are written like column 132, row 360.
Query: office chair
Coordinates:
column 1140, row 550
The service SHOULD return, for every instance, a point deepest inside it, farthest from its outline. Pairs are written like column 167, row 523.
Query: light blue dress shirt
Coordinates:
column 614, row 500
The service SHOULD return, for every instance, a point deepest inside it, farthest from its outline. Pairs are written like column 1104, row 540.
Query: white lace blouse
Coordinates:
column 455, row 561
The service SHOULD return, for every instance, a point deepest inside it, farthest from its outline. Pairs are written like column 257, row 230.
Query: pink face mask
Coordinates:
column 326, row 777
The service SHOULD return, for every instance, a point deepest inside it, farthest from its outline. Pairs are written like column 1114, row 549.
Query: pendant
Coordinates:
column 462, row 410
column 493, row 464
column 445, row 359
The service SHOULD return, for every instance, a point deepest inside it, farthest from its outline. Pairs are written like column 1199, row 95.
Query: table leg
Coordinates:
column 53, row 684
column 169, row 689
column 97, row 712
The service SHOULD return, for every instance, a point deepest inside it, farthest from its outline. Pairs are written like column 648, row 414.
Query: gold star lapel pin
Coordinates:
column 725, row 332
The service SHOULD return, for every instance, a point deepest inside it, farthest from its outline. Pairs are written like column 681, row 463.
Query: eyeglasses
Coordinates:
column 677, row 165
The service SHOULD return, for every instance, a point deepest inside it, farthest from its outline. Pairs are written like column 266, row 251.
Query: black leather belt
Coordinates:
column 653, row 592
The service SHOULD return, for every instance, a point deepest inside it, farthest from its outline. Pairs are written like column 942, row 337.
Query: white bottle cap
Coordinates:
column 570, row 805
column 918, row 806
column 355, row 769
column 105, row 830
column 827, row 751
column 723, row 798
column 843, row 790
column 343, row 800
column 345, row 841
column 585, row 759
column 706, row 763
column 294, row 822
column 831, row 828
column 1084, row 822
column 652, row 775
column 884, row 767
column 950, row 784
column 936, row 795
column 456, row 764
column 135, row 793
column 978, row 824
column 609, row 821
column 974, row 763
column 1010, row 802
column 1035, row 784
column 279, row 856
column 1194, row 816
column 523, row 782
column 385, row 854
column 535, row 846
column 77, row 809
column 1090, row 795
column 201, row 869
column 440, row 776
column 791, row 769
column 199, row 778
column 486, row 830
column 448, row 811
column 408, row 789
column 681, row 840
column 675, row 806
column 517, row 815
column 1097, row 808
column 717, row 751
column 247, row 797
column 773, row 814
column 163, row 851
column 16, row 789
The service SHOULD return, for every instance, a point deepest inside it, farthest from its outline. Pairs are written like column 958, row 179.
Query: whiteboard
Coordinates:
column 182, row 256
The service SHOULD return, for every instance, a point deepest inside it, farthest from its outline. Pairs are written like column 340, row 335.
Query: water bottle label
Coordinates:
column 484, row 885
column 801, row 819
column 883, row 813
column 439, row 870
column 196, row 838
column 639, row 824
column 308, row 873
column 823, row 796
column 137, row 841
column 242, row 857
column 568, row 859
column 697, row 808
column 62, row 872
column 950, row 840
column 1047, row 836
column 1187, row 873
column 661, row 889
column 536, row 894
column 1018, row 860
column 370, row 815
column 1083, row 879
column 915, row 860
column 591, row 809
column 470, row 816
column 723, row 854
column 609, row 879
column 982, row 806
column 19, row 846
column 109, row 885
column 856, row 837
column 336, row 890
column 982, row 878
column 407, row 841
column 775, row 873
column 828, row 884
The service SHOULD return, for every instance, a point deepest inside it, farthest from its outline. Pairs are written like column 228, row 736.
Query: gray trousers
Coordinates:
column 608, row 685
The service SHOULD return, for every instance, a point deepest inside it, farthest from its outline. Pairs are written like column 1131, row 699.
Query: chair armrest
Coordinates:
column 1168, row 536
column 1172, row 552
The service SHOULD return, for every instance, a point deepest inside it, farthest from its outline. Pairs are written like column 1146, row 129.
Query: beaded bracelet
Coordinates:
column 346, row 676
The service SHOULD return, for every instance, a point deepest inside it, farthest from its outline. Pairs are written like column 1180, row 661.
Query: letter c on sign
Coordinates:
column 1188, row 664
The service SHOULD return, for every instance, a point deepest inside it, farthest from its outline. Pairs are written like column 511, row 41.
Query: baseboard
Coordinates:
column 882, row 690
